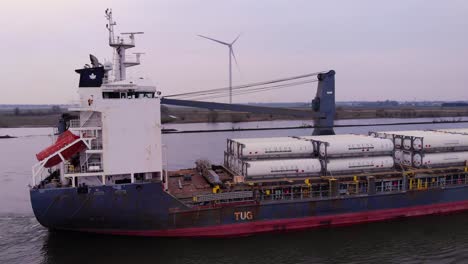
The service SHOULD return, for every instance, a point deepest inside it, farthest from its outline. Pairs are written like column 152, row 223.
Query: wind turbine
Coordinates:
column 231, row 55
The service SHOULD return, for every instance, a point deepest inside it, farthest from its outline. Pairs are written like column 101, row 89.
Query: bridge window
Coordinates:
column 111, row 95
column 127, row 95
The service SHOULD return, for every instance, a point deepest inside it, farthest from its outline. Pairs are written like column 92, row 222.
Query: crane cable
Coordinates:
column 245, row 86
column 256, row 90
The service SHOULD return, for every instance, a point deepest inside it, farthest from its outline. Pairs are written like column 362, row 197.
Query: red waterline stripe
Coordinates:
column 264, row 226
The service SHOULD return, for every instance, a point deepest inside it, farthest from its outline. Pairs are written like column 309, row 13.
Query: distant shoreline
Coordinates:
column 34, row 119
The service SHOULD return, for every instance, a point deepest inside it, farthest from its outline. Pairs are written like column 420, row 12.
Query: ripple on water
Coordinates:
column 436, row 239
column 21, row 238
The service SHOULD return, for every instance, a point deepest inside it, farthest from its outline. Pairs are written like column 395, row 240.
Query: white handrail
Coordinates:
column 38, row 168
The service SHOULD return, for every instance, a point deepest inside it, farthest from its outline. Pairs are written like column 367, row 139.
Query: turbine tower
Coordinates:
column 231, row 55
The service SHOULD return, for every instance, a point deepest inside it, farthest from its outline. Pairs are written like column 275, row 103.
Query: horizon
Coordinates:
column 275, row 102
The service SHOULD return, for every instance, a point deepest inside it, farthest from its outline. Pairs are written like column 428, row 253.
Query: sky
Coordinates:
column 381, row 50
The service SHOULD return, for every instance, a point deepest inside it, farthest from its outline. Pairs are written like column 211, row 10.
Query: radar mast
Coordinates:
column 120, row 44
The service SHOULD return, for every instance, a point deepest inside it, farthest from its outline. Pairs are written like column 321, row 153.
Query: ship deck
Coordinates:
column 187, row 183
column 190, row 185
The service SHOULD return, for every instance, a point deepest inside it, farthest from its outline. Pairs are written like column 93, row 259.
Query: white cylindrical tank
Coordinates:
column 391, row 134
column 425, row 139
column 359, row 164
column 289, row 167
column 354, row 145
column 398, row 142
column 434, row 140
column 287, row 148
column 407, row 143
column 324, row 137
column 398, row 154
column 407, row 158
column 431, row 139
column 383, row 134
column 437, row 159
column 237, row 143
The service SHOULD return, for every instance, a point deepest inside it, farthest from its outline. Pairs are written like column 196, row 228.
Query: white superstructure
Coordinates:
column 120, row 120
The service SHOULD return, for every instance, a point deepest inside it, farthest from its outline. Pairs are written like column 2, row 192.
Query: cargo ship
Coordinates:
column 105, row 172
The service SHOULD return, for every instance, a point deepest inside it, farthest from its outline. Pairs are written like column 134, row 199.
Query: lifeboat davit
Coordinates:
column 67, row 145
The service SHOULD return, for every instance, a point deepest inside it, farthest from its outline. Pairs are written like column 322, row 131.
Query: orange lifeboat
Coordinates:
column 66, row 145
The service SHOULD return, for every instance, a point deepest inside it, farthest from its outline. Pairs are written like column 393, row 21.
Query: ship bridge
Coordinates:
column 129, row 89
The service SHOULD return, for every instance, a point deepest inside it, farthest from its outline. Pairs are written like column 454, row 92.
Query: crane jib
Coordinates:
column 322, row 112
column 242, row 108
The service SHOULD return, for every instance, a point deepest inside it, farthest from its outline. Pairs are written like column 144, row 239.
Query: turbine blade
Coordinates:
column 235, row 59
column 215, row 40
column 234, row 41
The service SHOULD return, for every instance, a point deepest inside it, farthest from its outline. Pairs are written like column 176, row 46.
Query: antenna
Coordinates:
column 110, row 25
column 138, row 55
column 120, row 44
column 231, row 55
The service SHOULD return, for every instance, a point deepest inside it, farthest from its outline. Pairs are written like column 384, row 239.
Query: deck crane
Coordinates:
column 323, row 105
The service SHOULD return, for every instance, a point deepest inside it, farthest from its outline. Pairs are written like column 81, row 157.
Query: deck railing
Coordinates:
column 85, row 168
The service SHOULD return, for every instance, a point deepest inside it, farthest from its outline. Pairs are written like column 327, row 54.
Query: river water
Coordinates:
column 431, row 239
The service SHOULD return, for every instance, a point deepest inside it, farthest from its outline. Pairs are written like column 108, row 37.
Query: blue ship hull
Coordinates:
column 147, row 210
